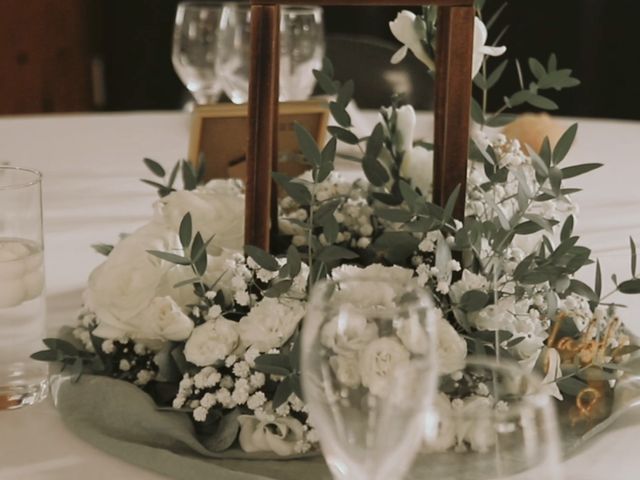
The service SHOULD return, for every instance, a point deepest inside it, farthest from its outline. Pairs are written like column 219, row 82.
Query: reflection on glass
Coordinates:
column 195, row 49
column 302, row 48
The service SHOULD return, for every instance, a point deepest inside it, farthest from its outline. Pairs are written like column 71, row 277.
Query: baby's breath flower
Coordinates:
column 208, row 400
column 241, row 369
column 257, row 379
column 108, row 346
column 256, row 400
column 200, row 414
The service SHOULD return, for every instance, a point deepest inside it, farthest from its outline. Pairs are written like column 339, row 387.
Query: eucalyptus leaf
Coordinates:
column 474, row 300
column 102, row 248
column 630, row 287
column 170, row 257
column 634, row 256
column 307, row 144
column 283, row 391
column 575, row 170
column 340, row 115
column 262, row 258
column 345, row 94
column 47, row 356
column 155, row 167
column 225, row 434
column 294, row 261
column 185, row 230
column 564, row 144
column 567, row 228
column 278, row 288
column 344, row 135
column 297, row 191
column 325, row 82
column 332, row 253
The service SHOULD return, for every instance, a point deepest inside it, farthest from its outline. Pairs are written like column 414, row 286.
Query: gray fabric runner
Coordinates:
column 120, row 419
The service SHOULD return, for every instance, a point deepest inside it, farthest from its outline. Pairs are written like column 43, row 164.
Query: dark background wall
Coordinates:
column 73, row 55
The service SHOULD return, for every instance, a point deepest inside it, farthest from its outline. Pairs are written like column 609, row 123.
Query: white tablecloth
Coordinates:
column 91, row 166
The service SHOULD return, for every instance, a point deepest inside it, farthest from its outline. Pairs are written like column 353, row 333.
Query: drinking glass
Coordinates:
column 492, row 421
column 368, row 370
column 302, row 49
column 22, row 302
column 195, row 49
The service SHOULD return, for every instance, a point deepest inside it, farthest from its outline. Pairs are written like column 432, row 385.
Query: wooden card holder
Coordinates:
column 452, row 93
column 219, row 135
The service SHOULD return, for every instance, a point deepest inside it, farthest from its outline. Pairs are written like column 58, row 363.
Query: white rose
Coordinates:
column 123, row 286
column 405, row 31
column 516, row 318
column 441, row 431
column 164, row 320
column 21, row 273
column 348, row 333
column 475, row 424
column 346, row 370
column 480, row 49
column 212, row 342
column 279, row 435
column 469, row 281
column 217, row 210
column 378, row 361
column 451, row 347
column 270, row 323
column 374, row 286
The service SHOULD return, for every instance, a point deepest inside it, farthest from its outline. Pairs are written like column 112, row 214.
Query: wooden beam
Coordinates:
column 452, row 104
column 262, row 152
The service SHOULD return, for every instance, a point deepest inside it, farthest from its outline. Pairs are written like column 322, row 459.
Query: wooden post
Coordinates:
column 452, row 104
column 262, row 152
column 453, row 100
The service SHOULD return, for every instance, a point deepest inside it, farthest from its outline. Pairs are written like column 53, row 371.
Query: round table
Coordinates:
column 92, row 164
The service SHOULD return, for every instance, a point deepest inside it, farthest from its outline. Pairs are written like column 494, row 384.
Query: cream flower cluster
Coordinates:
column 362, row 355
column 353, row 214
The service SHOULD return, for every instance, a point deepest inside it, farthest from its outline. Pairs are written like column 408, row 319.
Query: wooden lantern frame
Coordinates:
column 452, row 105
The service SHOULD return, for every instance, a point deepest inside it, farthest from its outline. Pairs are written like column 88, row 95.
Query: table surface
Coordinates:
column 91, row 166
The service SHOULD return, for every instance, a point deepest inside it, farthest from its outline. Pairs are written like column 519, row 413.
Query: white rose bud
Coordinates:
column 211, row 342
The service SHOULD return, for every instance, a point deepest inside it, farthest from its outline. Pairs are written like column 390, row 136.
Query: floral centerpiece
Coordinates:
column 209, row 327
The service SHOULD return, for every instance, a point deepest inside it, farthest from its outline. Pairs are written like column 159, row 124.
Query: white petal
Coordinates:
column 492, row 51
column 399, row 55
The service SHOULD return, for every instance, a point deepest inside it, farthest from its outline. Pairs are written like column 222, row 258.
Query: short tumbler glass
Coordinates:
column 22, row 302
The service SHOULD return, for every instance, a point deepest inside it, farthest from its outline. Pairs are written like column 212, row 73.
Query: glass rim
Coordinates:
column 37, row 177
column 310, row 8
column 203, row 3
column 535, row 400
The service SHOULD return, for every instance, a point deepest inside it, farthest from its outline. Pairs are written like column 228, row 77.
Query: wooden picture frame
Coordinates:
column 452, row 107
column 220, row 135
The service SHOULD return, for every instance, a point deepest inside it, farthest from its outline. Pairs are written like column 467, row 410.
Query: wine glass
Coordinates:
column 368, row 369
column 492, row 420
column 196, row 48
column 302, row 49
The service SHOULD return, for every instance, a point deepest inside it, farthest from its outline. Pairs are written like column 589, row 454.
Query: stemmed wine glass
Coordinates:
column 492, row 420
column 196, row 49
column 302, row 47
column 368, row 372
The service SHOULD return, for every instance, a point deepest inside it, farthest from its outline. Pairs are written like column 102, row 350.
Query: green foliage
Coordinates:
column 191, row 177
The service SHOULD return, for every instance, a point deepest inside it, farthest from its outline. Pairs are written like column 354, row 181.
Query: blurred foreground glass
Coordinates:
column 22, row 302
column 302, row 48
column 368, row 374
column 502, row 425
column 195, row 49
